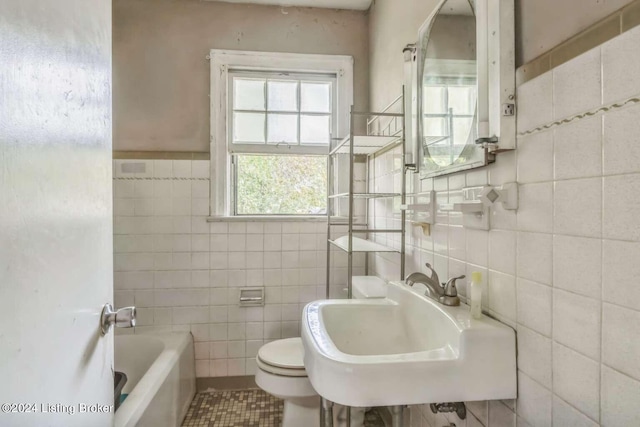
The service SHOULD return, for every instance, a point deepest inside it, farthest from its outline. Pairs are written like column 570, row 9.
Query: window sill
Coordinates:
column 268, row 218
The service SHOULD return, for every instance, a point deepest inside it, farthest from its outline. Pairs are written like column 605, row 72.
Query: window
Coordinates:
column 273, row 117
column 277, row 122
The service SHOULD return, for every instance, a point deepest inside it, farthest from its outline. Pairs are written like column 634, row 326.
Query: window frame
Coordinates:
column 222, row 62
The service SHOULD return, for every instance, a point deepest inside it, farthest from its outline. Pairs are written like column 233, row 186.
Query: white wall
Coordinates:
column 562, row 269
column 392, row 25
column 161, row 75
column 543, row 24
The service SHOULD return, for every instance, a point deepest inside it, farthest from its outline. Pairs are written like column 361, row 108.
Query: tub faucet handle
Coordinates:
column 123, row 318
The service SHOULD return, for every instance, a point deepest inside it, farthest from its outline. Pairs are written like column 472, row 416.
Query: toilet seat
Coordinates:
column 283, row 357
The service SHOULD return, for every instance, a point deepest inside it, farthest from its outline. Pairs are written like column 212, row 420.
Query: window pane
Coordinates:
column 281, row 185
column 434, row 126
column 316, row 97
column 462, row 99
column 282, row 128
column 463, row 132
column 314, row 129
column 248, row 94
column 434, row 100
column 248, row 127
column 283, row 96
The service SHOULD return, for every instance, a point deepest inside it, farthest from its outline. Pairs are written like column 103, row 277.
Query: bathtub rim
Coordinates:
column 174, row 344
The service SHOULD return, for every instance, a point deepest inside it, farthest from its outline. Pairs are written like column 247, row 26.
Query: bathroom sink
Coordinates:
column 406, row 349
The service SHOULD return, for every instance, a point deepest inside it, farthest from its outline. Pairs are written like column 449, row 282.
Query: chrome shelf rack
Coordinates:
column 380, row 137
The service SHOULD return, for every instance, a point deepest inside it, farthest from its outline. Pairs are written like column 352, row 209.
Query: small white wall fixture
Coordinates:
column 422, row 210
column 477, row 202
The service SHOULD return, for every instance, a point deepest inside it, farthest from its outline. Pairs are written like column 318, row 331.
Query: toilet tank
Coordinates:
column 367, row 287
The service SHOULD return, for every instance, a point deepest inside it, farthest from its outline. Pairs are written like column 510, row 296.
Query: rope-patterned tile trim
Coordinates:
column 603, row 109
column 123, row 178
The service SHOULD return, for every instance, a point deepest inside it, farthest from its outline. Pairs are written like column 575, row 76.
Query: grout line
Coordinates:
column 553, row 216
column 574, row 408
column 602, row 250
column 619, row 372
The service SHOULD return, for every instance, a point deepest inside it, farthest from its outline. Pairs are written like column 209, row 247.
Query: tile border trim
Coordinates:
column 602, row 31
column 140, row 178
column 600, row 110
column 160, row 155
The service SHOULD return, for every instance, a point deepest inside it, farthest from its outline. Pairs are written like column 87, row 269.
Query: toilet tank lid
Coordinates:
column 286, row 353
column 365, row 287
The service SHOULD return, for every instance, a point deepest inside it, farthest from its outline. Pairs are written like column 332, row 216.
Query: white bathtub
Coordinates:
column 161, row 381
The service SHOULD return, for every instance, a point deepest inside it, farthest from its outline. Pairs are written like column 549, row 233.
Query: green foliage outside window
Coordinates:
column 281, row 185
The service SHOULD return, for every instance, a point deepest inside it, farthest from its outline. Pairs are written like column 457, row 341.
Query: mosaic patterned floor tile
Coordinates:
column 244, row 408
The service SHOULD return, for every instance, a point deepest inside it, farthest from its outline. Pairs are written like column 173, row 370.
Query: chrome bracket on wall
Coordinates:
column 458, row 407
column 250, row 297
column 422, row 211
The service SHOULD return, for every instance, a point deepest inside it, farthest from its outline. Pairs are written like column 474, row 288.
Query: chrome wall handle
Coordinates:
column 123, row 318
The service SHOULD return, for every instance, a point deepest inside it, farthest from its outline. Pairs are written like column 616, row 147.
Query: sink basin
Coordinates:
column 406, row 349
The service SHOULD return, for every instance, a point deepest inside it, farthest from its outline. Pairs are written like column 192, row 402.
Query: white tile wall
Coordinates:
column 564, row 268
column 534, row 355
column 184, row 273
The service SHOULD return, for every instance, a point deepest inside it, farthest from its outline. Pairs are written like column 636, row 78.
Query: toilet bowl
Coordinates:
column 281, row 373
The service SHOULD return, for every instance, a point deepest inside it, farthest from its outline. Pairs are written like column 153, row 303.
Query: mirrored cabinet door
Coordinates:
column 447, row 82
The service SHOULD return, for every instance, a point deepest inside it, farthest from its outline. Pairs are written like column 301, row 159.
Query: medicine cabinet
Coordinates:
column 460, row 87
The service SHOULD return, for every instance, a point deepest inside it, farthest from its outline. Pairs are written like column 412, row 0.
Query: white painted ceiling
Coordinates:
column 330, row 4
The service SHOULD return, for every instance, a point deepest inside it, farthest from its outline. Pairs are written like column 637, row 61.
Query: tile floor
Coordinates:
column 244, row 408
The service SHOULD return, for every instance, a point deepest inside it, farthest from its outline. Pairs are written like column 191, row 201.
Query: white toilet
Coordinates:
column 281, row 373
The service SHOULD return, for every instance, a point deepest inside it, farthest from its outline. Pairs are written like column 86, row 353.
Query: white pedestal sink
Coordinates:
column 406, row 349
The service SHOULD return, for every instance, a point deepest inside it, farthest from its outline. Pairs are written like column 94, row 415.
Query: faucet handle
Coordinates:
column 450, row 289
column 450, row 296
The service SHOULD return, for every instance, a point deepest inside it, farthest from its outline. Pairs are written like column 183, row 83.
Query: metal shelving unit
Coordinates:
column 378, row 138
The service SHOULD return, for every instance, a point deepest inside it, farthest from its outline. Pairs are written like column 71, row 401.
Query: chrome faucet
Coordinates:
column 445, row 294
column 432, row 282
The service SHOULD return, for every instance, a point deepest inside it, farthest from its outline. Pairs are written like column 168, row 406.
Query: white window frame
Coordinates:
column 222, row 61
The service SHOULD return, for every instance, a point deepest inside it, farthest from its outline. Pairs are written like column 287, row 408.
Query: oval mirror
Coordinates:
column 448, row 90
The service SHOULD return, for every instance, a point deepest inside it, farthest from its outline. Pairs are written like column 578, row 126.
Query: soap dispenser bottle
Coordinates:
column 475, row 294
